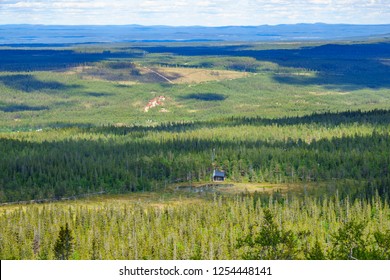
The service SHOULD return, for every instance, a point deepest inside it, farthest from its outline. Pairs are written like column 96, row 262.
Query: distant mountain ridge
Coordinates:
column 57, row 34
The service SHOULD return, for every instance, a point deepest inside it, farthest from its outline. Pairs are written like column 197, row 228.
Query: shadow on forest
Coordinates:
column 205, row 96
column 21, row 107
column 46, row 60
column 29, row 83
column 346, row 67
column 97, row 94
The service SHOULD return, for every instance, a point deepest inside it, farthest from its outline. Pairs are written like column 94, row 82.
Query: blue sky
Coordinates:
column 191, row 12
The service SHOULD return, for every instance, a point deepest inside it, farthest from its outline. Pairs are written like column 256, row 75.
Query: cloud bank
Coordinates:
column 203, row 12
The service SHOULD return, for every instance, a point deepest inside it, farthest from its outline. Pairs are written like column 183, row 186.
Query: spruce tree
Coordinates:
column 63, row 247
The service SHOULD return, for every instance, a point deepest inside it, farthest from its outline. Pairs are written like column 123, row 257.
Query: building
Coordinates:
column 218, row 175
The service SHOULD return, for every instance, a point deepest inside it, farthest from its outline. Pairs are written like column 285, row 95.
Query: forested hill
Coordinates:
column 42, row 34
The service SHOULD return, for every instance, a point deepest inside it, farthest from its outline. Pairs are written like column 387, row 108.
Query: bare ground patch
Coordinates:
column 142, row 74
column 321, row 93
column 193, row 75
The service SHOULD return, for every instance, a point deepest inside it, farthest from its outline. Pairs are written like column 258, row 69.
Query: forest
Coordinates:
column 68, row 161
column 106, row 148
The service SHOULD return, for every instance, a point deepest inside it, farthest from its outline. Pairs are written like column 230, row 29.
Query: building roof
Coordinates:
column 218, row 173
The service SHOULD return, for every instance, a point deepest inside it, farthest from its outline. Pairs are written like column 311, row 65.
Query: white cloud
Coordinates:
column 320, row 1
column 192, row 12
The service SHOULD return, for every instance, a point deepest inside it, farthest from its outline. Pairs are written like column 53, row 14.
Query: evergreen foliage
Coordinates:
column 316, row 253
column 349, row 242
column 243, row 226
column 313, row 116
column 351, row 158
column 63, row 246
column 270, row 243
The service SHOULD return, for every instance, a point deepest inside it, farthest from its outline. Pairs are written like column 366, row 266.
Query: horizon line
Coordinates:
column 205, row 26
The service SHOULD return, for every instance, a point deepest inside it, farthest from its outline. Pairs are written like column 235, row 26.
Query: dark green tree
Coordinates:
column 316, row 253
column 350, row 242
column 95, row 249
column 270, row 243
column 382, row 240
column 63, row 247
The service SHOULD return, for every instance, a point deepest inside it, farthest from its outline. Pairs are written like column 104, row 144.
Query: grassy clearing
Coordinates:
column 173, row 195
column 129, row 73
column 194, row 76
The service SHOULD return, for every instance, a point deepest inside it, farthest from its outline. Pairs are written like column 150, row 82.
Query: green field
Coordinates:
column 301, row 129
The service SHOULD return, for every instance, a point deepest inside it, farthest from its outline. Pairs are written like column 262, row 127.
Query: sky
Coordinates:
column 193, row 12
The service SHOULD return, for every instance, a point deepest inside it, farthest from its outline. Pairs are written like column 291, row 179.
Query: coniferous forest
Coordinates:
column 107, row 151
